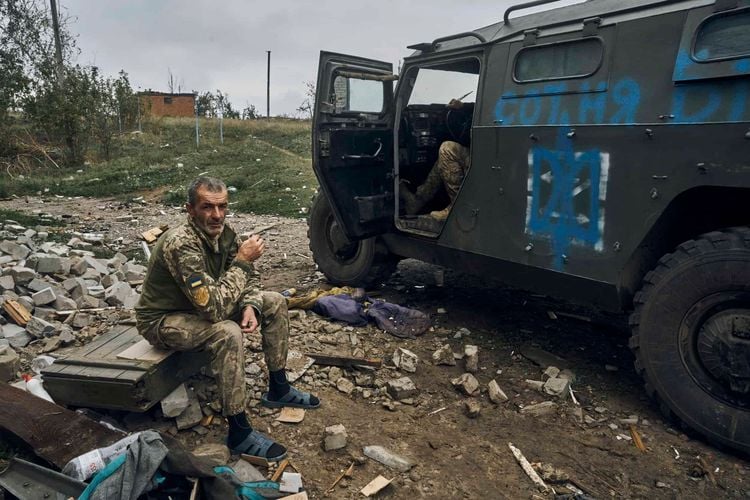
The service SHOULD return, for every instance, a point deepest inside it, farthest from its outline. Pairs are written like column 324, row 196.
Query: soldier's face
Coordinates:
column 209, row 211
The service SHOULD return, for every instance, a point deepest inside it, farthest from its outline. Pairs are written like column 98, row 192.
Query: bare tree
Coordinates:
column 307, row 107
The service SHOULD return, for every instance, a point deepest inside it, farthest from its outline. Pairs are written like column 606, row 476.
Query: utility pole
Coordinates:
column 197, row 125
column 58, row 42
column 268, row 87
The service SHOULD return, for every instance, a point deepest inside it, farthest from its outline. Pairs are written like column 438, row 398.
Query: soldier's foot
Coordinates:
column 441, row 215
column 256, row 444
column 293, row 398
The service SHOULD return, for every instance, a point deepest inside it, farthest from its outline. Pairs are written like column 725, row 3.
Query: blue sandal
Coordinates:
column 257, row 445
column 293, row 399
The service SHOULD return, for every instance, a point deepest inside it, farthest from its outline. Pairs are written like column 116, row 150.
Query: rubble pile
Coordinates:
column 51, row 291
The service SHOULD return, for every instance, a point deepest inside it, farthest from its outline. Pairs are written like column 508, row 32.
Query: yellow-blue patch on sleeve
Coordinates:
column 195, row 281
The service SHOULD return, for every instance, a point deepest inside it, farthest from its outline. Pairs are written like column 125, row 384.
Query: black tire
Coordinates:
column 354, row 263
column 691, row 336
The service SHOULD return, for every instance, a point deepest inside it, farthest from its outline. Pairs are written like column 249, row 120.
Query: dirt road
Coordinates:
column 455, row 456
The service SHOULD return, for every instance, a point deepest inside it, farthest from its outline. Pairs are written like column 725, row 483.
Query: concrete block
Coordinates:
column 100, row 266
column 63, row 303
column 496, row 394
column 44, row 297
column 10, row 363
column 540, row 409
column 16, row 251
column 217, row 454
column 444, row 356
column 81, row 320
column 45, row 313
column 345, row 385
column 176, row 402
column 7, row 283
column 117, row 294
column 16, row 336
column 37, row 285
column 97, row 291
column 246, row 472
column 109, row 280
column 78, row 266
column 38, row 328
column 405, row 360
column 471, row 358
column 466, row 383
column 335, row 437
column 134, row 272
column 190, row 417
column 22, row 275
column 87, row 302
column 388, row 458
column 557, row 387
column 50, row 264
column 401, row 388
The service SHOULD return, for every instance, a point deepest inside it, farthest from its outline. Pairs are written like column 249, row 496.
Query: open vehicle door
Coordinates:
column 353, row 142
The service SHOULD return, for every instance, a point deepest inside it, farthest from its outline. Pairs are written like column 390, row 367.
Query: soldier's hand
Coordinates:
column 251, row 249
column 249, row 321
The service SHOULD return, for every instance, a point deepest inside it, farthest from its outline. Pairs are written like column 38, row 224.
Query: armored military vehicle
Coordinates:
column 609, row 164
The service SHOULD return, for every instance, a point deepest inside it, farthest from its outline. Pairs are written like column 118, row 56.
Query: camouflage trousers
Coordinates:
column 225, row 344
column 449, row 170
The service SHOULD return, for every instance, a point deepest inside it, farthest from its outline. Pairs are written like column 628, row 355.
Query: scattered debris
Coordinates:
column 280, row 470
column 405, row 360
column 637, row 438
column 345, row 473
column 335, row 438
column 496, row 394
column 473, row 408
column 401, row 388
column 471, row 357
column 444, row 356
column 291, row 415
column 176, row 402
column 526, row 466
column 344, row 361
column 375, row 486
column 539, row 409
column 388, row 458
column 466, row 383
column 291, row 482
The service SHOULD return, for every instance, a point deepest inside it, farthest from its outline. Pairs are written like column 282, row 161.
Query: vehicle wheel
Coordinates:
column 345, row 262
column 691, row 335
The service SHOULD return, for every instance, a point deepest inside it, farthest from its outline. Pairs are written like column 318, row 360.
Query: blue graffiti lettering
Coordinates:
column 709, row 95
column 626, row 94
column 555, row 212
column 532, row 117
column 592, row 103
column 506, row 101
column 555, row 89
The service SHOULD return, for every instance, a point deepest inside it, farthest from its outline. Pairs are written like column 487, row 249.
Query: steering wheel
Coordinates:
column 458, row 123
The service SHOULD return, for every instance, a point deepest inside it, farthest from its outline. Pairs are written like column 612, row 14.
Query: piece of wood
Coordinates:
column 259, row 461
column 17, row 312
column 375, row 486
column 637, row 441
column 526, row 466
column 152, row 234
column 282, row 467
column 346, row 473
column 708, row 470
column 345, row 361
column 90, row 310
column 291, row 415
column 207, row 420
column 144, row 351
column 56, row 434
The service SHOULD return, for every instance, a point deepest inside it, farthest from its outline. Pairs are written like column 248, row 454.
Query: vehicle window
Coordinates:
column 436, row 86
column 723, row 36
column 363, row 96
column 575, row 59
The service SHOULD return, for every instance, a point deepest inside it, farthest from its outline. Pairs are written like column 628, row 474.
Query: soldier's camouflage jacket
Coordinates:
column 189, row 272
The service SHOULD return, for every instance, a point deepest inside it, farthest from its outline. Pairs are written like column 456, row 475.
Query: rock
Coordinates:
column 335, row 438
column 16, row 251
column 50, row 264
column 246, row 472
column 16, row 336
column 96, row 291
column 537, row 385
column 27, row 302
column 335, row 373
column 175, row 402
column 109, row 280
column 471, row 355
column 97, row 265
column 388, row 458
column 78, row 266
column 10, row 363
column 134, row 272
column 7, row 282
column 405, row 360
column 364, row 379
column 37, row 285
column 190, row 417
column 551, row 372
column 401, row 388
column 22, row 275
column 87, row 302
column 63, row 303
column 444, row 356
column 496, row 394
column 39, row 328
column 118, row 294
column 253, row 369
column 472, row 407
column 45, row 313
column 51, row 344
column 539, row 409
column 557, row 387
column 345, row 385
column 217, row 454
column 66, row 336
column 466, row 383
column 44, row 297
column 567, row 375
column 81, row 320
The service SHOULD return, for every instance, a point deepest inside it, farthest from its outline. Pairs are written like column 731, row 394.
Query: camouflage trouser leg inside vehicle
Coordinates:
column 224, row 342
column 453, row 162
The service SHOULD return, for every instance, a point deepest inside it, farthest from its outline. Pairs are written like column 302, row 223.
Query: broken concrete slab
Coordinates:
column 405, row 360
column 335, row 437
column 496, row 394
column 22, row 275
column 466, row 383
column 63, row 303
column 97, row 265
column 557, row 387
column 16, row 251
column 551, row 372
column 190, row 417
column 246, row 472
column 16, row 336
column 401, row 388
column 176, row 402
column 444, row 356
column 49, row 264
column 388, row 458
column 81, row 320
column 38, row 328
column 217, row 454
column 345, row 385
column 7, row 282
column 118, row 294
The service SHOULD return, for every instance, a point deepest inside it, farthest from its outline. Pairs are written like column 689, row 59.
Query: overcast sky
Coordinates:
column 222, row 44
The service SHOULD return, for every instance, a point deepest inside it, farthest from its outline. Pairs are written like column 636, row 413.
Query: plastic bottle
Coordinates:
column 84, row 466
column 34, row 386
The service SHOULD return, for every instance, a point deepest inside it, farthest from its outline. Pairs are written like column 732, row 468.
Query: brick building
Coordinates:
column 166, row 104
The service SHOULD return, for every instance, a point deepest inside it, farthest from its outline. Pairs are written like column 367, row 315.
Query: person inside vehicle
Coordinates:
column 202, row 293
column 448, row 172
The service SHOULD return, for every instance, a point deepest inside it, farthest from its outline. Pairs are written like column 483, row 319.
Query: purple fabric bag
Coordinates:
column 398, row 320
column 342, row 308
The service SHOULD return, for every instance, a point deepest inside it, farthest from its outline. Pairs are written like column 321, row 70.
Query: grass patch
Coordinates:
column 26, row 219
column 267, row 161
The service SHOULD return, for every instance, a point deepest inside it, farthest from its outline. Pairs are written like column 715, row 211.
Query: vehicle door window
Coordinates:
column 357, row 95
column 722, row 37
column 437, row 86
column 576, row 59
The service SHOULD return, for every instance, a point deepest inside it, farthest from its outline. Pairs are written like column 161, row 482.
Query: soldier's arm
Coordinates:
column 251, row 294
column 213, row 299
